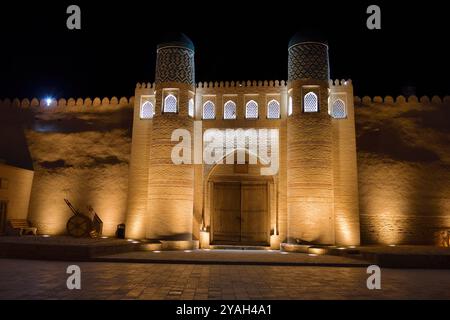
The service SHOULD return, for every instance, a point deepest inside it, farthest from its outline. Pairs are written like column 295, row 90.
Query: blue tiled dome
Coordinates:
column 176, row 39
column 306, row 36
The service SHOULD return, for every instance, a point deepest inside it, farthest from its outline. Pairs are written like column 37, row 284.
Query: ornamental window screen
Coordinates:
column 170, row 104
column 251, row 110
column 338, row 110
column 290, row 107
column 191, row 109
column 147, row 110
column 310, row 103
column 209, row 111
column 273, row 110
column 229, row 111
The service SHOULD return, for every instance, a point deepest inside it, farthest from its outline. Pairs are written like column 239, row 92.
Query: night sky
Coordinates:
column 115, row 49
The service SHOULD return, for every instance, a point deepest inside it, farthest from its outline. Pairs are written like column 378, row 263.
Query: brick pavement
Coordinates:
column 47, row 280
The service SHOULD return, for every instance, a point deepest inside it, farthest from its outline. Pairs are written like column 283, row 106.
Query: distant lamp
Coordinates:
column 48, row 101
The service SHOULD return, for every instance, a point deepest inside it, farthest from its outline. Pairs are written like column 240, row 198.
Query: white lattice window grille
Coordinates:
column 147, row 110
column 251, row 110
column 310, row 103
column 229, row 111
column 170, row 104
column 338, row 110
column 191, row 108
column 209, row 111
column 290, row 107
column 273, row 110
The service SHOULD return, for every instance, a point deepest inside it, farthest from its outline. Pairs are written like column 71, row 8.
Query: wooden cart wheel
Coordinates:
column 79, row 226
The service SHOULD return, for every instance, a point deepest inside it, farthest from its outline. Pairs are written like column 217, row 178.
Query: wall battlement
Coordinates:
column 240, row 84
column 341, row 83
column 114, row 103
column 402, row 100
column 144, row 85
column 247, row 84
column 70, row 105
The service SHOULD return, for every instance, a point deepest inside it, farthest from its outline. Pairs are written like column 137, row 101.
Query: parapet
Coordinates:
column 401, row 100
column 241, row 84
column 341, row 83
column 70, row 105
column 144, row 85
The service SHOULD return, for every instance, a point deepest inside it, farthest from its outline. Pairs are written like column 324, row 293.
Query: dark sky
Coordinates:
column 234, row 41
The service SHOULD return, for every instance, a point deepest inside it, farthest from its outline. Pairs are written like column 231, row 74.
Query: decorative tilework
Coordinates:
column 308, row 61
column 175, row 64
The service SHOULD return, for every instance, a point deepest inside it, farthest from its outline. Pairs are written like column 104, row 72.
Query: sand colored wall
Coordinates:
column 345, row 171
column 240, row 93
column 403, row 168
column 171, row 187
column 17, row 193
column 309, row 167
column 137, row 201
column 81, row 152
column 80, row 156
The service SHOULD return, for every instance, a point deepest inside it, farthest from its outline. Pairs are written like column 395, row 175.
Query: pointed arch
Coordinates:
column 170, row 104
column 191, row 108
column 229, row 111
column 251, row 110
column 209, row 111
column 338, row 109
column 147, row 111
column 273, row 110
column 310, row 103
column 290, row 106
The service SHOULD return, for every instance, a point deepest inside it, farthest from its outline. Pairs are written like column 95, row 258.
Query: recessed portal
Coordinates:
column 240, row 214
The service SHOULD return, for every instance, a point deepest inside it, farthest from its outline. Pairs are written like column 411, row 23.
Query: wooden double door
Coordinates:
column 3, row 206
column 240, row 214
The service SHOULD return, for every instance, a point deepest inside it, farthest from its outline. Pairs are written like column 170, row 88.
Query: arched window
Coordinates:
column 310, row 103
column 229, row 111
column 273, row 110
column 251, row 110
column 170, row 104
column 338, row 110
column 290, row 107
column 191, row 109
column 147, row 110
column 209, row 111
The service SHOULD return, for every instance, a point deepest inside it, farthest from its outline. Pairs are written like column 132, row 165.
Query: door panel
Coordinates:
column 227, row 213
column 255, row 228
column 2, row 217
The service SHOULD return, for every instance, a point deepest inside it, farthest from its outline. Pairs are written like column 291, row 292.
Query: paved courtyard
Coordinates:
column 47, row 280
